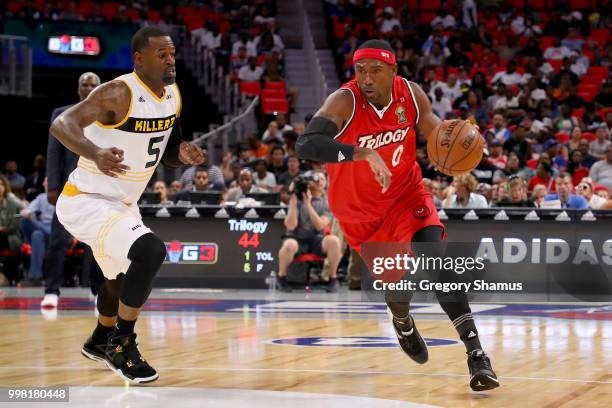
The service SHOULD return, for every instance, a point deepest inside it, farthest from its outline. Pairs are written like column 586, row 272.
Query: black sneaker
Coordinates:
column 122, row 356
column 283, row 285
column 333, row 287
column 482, row 377
column 412, row 343
column 93, row 350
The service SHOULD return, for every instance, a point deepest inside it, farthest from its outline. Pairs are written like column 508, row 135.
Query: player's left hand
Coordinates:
column 190, row 153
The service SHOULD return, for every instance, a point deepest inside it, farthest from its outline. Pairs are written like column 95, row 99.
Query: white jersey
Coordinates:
column 143, row 135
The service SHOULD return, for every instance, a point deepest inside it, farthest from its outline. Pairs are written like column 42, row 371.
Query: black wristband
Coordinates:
column 318, row 143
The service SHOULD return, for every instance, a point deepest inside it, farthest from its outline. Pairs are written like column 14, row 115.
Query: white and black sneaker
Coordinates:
column 482, row 376
column 411, row 342
column 122, row 356
column 93, row 350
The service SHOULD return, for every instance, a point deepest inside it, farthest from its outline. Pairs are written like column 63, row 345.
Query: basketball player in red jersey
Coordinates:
column 376, row 192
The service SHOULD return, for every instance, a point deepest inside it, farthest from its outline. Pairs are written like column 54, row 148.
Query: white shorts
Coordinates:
column 108, row 227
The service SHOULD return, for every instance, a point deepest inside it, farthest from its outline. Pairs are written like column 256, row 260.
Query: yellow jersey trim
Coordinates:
column 145, row 86
column 179, row 100
column 70, row 190
column 127, row 115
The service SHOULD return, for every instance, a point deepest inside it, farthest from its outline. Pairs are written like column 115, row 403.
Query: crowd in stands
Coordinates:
column 535, row 80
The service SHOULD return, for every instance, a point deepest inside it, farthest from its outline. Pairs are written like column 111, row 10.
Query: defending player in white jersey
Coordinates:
column 121, row 132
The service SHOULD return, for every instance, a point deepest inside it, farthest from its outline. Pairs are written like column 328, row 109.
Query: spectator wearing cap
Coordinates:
column 543, row 177
column 245, row 186
column 599, row 146
column 564, row 198
column 509, row 77
column 601, row 172
column 496, row 154
column 485, row 170
column 553, row 149
column 461, row 193
column 585, row 189
column 518, row 144
column 388, row 20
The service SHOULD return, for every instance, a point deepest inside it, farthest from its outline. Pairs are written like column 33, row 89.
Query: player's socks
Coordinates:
column 467, row 332
column 409, row 339
column 124, row 326
column 482, row 376
column 100, row 334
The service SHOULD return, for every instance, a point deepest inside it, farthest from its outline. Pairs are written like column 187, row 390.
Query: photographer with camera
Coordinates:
column 307, row 217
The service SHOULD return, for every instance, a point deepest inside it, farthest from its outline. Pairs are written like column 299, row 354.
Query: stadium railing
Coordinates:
column 15, row 66
column 318, row 78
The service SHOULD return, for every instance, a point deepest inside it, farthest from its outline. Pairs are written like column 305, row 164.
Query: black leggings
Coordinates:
column 454, row 304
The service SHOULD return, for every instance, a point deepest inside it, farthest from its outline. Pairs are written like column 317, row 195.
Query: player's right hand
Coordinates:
column 378, row 166
column 109, row 161
column 52, row 196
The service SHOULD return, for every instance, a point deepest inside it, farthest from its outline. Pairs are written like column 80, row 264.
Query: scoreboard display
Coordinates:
column 74, row 45
column 212, row 252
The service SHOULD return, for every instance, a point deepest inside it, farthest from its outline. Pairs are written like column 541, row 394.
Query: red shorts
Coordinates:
column 409, row 214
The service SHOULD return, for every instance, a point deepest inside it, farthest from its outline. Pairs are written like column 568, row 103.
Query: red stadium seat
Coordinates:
column 193, row 22
column 426, row 18
column 538, row 4
column 274, row 106
column 590, row 88
column 430, row 5
column 555, row 64
column 224, row 26
column 440, row 73
column 359, row 27
column 601, row 72
column 588, row 136
column 593, row 80
column 562, row 137
column 546, row 42
column 518, row 4
column 579, row 4
column 578, row 113
column 133, row 14
column 273, row 93
column 250, row 88
column 339, row 30
column 85, row 8
column 154, row 16
column 587, row 96
column 603, row 112
column 261, row 59
column 109, row 10
column 186, row 10
column 275, row 85
column 452, row 70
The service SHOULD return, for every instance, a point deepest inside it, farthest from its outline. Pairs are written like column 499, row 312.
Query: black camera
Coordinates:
column 300, row 185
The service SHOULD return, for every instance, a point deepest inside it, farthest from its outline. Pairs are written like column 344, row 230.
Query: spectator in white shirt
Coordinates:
column 440, row 104
column 557, row 51
column 389, row 21
column 245, row 41
column 507, row 101
column 461, row 193
column 250, row 72
column 262, row 177
column 509, row 77
column 451, row 88
column 275, row 129
column 446, row 19
column 601, row 171
column 599, row 146
column 470, row 15
column 578, row 66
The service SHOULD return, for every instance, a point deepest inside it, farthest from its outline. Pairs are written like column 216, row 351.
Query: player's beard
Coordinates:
column 168, row 80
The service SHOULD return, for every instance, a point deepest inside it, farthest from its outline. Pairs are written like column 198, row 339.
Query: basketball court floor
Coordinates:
column 264, row 349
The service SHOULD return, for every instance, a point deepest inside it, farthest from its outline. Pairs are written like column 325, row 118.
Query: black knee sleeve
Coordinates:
column 108, row 296
column 147, row 254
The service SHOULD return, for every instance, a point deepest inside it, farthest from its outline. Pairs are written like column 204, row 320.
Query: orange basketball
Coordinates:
column 455, row 147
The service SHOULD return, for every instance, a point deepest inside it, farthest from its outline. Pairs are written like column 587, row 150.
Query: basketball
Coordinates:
column 455, row 147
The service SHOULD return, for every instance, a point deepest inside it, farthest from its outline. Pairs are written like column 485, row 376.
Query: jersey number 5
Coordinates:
column 154, row 150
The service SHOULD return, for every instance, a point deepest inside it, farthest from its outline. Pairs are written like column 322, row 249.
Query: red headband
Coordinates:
column 374, row 53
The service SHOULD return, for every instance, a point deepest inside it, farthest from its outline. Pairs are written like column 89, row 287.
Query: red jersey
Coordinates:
column 354, row 193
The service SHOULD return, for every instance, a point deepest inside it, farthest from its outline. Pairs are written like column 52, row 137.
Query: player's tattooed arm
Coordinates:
column 108, row 104
column 318, row 141
column 428, row 120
